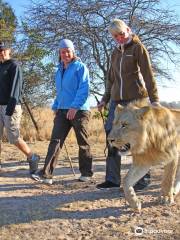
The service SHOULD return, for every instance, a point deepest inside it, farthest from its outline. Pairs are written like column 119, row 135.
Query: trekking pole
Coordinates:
column 98, row 102
column 31, row 115
column 0, row 156
column 70, row 160
column 102, row 117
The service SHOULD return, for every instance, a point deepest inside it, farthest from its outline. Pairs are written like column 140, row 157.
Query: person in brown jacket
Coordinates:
column 130, row 78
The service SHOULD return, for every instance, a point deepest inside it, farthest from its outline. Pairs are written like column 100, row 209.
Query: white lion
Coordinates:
column 153, row 135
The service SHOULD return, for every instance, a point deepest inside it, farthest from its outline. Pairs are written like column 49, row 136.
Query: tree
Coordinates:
column 37, row 73
column 8, row 23
column 85, row 22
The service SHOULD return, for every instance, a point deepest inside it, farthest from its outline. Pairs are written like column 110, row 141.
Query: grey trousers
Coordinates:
column 113, row 165
column 113, row 160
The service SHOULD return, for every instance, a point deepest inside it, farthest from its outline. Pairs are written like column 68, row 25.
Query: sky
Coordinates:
column 170, row 92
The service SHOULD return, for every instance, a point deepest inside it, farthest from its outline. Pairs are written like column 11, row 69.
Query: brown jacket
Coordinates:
column 130, row 75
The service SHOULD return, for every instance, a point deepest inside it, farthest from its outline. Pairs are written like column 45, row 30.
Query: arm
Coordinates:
column 109, row 83
column 147, row 73
column 83, row 89
column 81, row 94
column 55, row 104
column 15, row 74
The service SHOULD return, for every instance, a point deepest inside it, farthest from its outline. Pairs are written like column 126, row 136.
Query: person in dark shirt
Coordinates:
column 11, row 88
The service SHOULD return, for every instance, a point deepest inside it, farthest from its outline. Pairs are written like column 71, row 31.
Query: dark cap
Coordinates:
column 3, row 46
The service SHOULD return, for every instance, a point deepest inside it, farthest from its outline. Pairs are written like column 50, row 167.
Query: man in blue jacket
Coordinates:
column 11, row 86
column 71, row 107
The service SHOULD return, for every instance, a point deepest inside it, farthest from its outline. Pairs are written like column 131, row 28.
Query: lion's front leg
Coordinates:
column 134, row 174
column 167, row 186
column 177, row 180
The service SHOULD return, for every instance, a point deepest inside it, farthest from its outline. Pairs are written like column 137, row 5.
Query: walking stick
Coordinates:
column 102, row 117
column 0, row 156
column 31, row 115
column 70, row 160
column 98, row 102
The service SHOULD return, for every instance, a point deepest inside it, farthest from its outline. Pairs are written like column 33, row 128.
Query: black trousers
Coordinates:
column 60, row 131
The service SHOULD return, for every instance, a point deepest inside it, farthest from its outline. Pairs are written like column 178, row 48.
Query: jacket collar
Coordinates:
column 61, row 64
column 134, row 39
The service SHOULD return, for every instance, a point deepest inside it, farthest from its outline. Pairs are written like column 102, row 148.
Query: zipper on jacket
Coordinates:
column 121, row 80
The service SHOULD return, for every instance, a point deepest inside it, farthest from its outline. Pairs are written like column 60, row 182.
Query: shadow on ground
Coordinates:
column 47, row 206
column 60, row 202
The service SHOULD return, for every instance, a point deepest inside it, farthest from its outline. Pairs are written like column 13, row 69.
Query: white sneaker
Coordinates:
column 37, row 177
column 48, row 181
column 85, row 178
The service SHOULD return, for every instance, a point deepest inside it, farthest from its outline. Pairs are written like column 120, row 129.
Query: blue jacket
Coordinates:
column 72, row 87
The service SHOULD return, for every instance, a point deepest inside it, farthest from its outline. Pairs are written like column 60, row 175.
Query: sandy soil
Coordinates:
column 70, row 209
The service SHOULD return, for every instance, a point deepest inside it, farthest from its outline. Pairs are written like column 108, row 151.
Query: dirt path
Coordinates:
column 73, row 210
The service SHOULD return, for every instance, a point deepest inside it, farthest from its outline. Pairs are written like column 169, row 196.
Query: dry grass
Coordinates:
column 44, row 118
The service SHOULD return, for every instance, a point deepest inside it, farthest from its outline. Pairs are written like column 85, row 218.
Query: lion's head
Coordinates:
column 143, row 128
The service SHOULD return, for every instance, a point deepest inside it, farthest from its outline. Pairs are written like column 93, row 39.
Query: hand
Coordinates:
column 100, row 106
column 55, row 112
column 71, row 113
column 156, row 104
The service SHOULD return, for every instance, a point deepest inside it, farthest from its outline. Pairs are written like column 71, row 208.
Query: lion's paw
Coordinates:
column 177, row 189
column 167, row 200
column 136, row 205
column 132, row 199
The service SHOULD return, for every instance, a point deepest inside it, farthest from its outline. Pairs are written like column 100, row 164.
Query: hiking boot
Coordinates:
column 143, row 183
column 125, row 150
column 85, row 178
column 39, row 178
column 33, row 163
column 107, row 185
column 139, row 187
